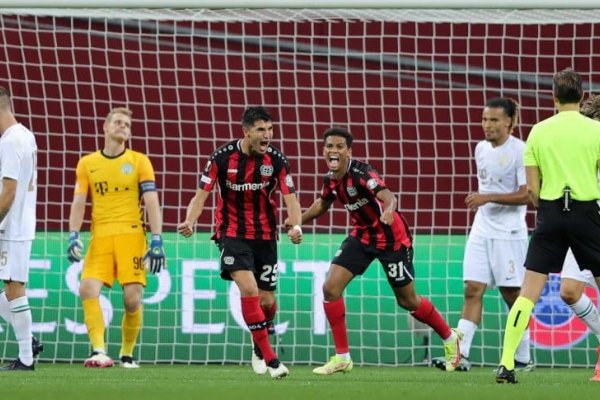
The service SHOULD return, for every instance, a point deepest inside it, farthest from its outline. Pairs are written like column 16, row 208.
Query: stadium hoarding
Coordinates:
column 191, row 315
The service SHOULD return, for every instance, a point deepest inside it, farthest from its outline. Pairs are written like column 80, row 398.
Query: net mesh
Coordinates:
column 409, row 84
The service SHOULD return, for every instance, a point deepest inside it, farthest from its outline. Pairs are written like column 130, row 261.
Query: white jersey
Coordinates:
column 18, row 161
column 500, row 170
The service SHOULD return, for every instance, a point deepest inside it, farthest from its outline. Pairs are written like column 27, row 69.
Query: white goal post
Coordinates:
column 409, row 83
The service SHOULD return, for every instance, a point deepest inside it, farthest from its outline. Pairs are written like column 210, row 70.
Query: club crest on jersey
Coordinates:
column 266, row 170
column 126, row 168
column 483, row 173
column 372, row 183
column 228, row 260
column 351, row 191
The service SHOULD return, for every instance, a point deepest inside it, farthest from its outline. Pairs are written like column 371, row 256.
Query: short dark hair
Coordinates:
column 591, row 107
column 510, row 107
column 341, row 132
column 253, row 114
column 567, row 86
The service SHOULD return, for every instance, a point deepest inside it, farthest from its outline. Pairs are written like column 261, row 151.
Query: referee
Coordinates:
column 562, row 158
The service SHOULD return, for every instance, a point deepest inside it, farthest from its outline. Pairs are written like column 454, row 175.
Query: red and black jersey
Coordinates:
column 357, row 191
column 245, row 208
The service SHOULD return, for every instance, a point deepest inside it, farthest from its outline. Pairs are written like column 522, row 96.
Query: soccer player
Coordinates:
column 565, row 150
column 497, row 244
column 247, row 171
column 18, row 190
column 118, row 179
column 379, row 231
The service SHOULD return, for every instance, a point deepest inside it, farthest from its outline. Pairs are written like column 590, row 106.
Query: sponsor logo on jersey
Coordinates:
column 206, row 179
column 232, row 171
column 242, row 187
column 356, row 205
column 266, row 170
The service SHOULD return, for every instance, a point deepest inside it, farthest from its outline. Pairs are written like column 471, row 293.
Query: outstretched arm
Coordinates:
column 318, row 208
column 390, row 205
column 194, row 210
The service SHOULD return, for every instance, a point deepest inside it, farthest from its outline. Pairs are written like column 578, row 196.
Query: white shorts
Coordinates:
column 495, row 262
column 14, row 260
column 571, row 270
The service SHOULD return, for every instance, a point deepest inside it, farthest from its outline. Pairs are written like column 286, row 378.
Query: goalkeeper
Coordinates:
column 565, row 150
column 116, row 178
column 378, row 232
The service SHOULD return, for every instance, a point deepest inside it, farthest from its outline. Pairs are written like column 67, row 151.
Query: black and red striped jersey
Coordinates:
column 357, row 191
column 245, row 207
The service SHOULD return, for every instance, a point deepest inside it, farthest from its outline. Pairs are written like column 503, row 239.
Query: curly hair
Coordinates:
column 591, row 107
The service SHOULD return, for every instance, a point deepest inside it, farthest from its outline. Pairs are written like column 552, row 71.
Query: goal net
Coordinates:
column 409, row 84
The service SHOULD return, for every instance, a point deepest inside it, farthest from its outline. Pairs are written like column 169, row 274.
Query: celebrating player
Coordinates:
column 247, row 171
column 379, row 231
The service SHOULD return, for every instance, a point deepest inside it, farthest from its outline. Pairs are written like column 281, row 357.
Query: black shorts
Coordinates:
column 557, row 230
column 258, row 256
column 356, row 258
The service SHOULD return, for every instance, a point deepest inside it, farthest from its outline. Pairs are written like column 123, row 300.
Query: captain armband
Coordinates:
column 147, row 186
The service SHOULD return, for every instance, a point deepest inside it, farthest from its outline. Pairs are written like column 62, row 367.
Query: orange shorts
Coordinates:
column 116, row 256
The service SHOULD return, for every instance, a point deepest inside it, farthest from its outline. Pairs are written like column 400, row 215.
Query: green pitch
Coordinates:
column 167, row 382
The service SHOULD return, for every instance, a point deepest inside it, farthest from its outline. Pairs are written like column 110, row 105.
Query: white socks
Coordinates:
column 21, row 322
column 588, row 313
column 468, row 328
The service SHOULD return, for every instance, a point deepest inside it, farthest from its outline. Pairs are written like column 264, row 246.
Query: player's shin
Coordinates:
column 516, row 323
column 130, row 327
column 255, row 319
column 336, row 315
column 94, row 321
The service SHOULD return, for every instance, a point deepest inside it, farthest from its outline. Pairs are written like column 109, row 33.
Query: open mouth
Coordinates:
column 263, row 145
column 334, row 161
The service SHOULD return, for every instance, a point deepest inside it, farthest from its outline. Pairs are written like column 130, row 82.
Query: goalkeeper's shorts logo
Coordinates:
column 553, row 325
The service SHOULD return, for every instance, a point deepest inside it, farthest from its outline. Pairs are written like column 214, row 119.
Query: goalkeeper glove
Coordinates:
column 75, row 249
column 154, row 260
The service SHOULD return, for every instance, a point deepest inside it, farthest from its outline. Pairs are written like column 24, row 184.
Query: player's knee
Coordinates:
column 331, row 292
column 569, row 295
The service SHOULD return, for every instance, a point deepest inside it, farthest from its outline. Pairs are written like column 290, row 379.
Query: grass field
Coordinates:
column 167, row 382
